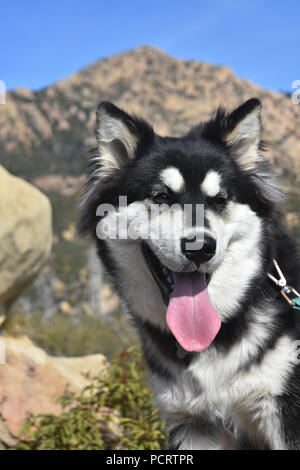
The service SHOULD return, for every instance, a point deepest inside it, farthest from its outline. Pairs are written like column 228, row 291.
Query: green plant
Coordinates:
column 115, row 412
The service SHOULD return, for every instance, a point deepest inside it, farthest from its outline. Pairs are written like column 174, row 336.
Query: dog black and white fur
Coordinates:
column 243, row 390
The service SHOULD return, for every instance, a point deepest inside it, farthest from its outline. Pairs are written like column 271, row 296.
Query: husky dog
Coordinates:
column 219, row 339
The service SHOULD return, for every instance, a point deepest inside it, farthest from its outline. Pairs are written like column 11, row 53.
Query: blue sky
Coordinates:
column 44, row 41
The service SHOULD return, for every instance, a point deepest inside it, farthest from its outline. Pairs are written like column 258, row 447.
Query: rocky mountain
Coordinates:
column 48, row 131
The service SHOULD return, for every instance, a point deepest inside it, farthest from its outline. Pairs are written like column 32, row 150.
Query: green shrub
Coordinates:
column 88, row 422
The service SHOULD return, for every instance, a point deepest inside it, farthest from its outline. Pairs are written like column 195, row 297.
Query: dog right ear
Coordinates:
column 120, row 138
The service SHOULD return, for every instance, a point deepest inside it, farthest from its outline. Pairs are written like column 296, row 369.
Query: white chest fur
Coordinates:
column 230, row 396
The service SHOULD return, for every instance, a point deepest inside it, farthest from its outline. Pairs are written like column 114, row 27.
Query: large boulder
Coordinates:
column 25, row 234
column 31, row 381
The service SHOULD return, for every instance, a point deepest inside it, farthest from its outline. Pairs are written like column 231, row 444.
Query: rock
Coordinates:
column 25, row 234
column 58, row 287
column 31, row 381
column 109, row 301
column 66, row 308
column 70, row 233
column 6, row 439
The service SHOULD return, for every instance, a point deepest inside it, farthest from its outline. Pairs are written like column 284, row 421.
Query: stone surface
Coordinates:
column 6, row 438
column 109, row 301
column 25, row 234
column 31, row 381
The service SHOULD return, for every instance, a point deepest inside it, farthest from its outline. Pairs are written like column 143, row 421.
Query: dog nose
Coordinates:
column 199, row 255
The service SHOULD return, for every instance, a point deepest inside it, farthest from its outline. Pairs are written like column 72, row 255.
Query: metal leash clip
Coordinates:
column 285, row 290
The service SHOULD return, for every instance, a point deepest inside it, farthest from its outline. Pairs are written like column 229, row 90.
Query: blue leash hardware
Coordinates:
column 296, row 305
column 286, row 291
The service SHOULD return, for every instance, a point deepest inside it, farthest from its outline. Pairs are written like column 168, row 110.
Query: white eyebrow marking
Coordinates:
column 211, row 183
column 172, row 178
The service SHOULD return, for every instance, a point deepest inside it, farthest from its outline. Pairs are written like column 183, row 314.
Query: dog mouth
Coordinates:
column 162, row 275
column 190, row 315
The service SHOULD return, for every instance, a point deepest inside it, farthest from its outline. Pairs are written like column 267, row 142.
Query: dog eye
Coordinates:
column 161, row 198
column 219, row 199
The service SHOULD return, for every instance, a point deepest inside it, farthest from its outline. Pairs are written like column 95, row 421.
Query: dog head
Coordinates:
column 192, row 207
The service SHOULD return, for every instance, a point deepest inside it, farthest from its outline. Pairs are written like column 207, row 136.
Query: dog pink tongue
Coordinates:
column 191, row 316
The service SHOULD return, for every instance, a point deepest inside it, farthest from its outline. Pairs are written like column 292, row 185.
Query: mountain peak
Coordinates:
column 48, row 131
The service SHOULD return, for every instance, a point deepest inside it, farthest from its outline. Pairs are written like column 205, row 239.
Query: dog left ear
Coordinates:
column 241, row 132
